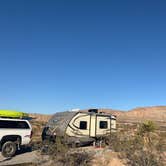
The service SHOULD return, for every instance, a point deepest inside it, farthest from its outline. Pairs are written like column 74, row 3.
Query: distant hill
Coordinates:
column 156, row 113
column 40, row 117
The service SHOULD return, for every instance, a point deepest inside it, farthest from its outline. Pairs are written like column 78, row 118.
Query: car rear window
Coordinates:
column 14, row 124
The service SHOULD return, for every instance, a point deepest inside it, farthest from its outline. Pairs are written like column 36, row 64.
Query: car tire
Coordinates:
column 9, row 149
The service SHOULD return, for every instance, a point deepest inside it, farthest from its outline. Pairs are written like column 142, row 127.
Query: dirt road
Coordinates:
column 101, row 156
column 22, row 158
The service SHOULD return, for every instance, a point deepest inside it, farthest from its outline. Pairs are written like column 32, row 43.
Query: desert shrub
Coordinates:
column 143, row 158
column 115, row 142
column 36, row 145
column 120, row 141
column 138, row 153
column 53, row 149
column 161, row 144
column 75, row 159
column 139, row 149
column 147, row 127
column 62, row 155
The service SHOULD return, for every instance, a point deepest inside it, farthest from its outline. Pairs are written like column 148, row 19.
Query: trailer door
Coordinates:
column 92, row 128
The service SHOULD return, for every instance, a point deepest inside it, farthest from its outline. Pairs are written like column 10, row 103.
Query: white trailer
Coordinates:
column 80, row 127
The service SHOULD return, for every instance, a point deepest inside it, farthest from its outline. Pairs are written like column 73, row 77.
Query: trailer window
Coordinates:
column 83, row 125
column 103, row 125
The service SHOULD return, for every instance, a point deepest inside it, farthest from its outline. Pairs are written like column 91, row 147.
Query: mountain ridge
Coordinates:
column 156, row 113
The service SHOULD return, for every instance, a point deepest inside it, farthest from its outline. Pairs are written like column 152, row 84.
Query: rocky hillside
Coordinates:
column 156, row 113
column 40, row 117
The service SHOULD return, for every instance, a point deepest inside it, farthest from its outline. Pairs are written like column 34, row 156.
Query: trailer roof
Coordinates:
column 64, row 117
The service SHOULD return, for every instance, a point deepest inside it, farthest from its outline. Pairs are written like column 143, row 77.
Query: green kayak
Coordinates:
column 12, row 114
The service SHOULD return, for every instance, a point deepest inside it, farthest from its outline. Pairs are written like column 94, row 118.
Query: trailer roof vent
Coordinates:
column 93, row 110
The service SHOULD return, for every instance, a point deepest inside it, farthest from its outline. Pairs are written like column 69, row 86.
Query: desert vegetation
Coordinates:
column 135, row 145
column 143, row 148
column 60, row 154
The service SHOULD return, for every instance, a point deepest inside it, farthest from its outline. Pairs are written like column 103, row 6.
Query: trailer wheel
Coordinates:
column 9, row 149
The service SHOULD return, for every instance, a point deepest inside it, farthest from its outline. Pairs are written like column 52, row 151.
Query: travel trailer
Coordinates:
column 80, row 127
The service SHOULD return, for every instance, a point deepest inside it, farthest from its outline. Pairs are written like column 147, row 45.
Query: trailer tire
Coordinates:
column 9, row 149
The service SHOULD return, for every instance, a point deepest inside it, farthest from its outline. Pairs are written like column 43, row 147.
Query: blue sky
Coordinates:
column 59, row 55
